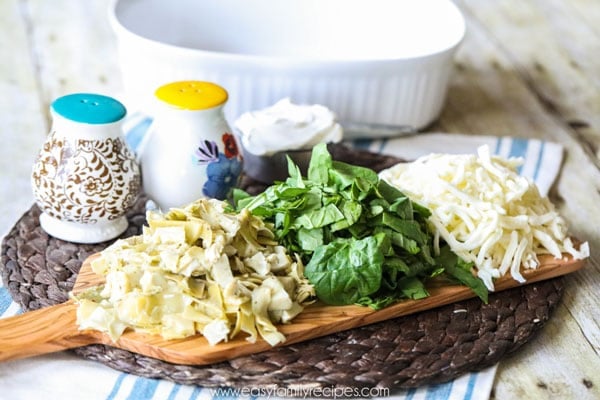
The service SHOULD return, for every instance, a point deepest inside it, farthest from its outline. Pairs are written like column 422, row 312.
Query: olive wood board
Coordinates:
column 54, row 328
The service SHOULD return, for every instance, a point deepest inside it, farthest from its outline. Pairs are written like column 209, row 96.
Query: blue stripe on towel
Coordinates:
column 5, row 300
column 410, row 394
column 538, row 164
column 439, row 392
column 174, row 392
column 498, row 145
column 197, row 392
column 508, row 147
column 471, row 386
column 116, row 386
column 143, row 389
column 518, row 148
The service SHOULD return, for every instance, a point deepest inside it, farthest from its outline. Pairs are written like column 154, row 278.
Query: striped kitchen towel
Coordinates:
column 65, row 376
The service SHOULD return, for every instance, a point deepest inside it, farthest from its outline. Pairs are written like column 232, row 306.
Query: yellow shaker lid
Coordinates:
column 192, row 95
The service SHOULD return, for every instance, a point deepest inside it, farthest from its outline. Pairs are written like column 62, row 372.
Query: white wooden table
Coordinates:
column 527, row 69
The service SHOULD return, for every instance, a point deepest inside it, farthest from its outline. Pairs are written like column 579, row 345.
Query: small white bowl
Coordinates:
column 373, row 62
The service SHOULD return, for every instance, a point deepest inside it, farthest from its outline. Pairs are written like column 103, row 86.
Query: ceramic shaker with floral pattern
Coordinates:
column 189, row 151
column 85, row 178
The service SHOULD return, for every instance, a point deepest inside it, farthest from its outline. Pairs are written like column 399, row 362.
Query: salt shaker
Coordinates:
column 189, row 151
column 85, row 178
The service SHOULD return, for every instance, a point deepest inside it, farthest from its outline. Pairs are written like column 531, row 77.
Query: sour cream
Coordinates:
column 287, row 126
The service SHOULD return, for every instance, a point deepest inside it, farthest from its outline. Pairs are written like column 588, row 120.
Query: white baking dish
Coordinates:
column 383, row 62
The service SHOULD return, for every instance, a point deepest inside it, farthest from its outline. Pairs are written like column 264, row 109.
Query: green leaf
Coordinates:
column 388, row 192
column 409, row 228
column 352, row 211
column 289, row 192
column 320, row 165
column 310, row 239
column 344, row 175
column 461, row 270
column 362, row 240
column 343, row 271
column 319, row 218
column 295, row 175
column 379, row 302
column 412, row 288
column 239, row 195
column 402, row 207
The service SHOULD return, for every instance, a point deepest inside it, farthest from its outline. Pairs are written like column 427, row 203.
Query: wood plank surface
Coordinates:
column 23, row 126
column 525, row 69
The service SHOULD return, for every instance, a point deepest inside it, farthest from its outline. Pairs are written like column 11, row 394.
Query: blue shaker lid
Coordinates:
column 89, row 108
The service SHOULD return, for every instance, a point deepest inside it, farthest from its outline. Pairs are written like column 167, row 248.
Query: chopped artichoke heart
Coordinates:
column 196, row 269
column 138, row 309
column 169, row 260
column 117, row 285
column 245, row 323
column 279, row 260
column 169, row 234
column 152, row 282
column 280, row 299
column 233, row 297
column 197, row 315
column 285, row 316
column 216, row 331
column 190, row 262
column 176, row 326
column 196, row 287
column 261, row 298
column 91, row 315
column 173, row 303
column 221, row 272
column 259, row 264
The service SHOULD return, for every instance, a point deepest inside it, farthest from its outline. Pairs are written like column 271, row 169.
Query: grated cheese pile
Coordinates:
column 197, row 269
column 485, row 211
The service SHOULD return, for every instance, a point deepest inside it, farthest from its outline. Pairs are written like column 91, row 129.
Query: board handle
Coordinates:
column 42, row 331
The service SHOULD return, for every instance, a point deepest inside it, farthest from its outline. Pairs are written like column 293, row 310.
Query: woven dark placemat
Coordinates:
column 430, row 347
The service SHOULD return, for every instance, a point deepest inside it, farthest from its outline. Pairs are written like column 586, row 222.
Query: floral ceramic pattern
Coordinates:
column 85, row 181
column 207, row 152
column 223, row 169
column 231, row 149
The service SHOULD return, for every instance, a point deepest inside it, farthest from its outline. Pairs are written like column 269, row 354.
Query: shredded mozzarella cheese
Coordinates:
column 486, row 212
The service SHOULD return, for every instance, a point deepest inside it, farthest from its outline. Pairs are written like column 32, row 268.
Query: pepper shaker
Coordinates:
column 85, row 178
column 189, row 151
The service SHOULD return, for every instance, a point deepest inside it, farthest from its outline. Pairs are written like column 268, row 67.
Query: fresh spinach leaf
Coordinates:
column 362, row 240
column 345, row 270
column 461, row 271
column 319, row 166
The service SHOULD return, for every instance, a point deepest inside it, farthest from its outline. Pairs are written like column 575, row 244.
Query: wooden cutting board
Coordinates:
column 54, row 328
